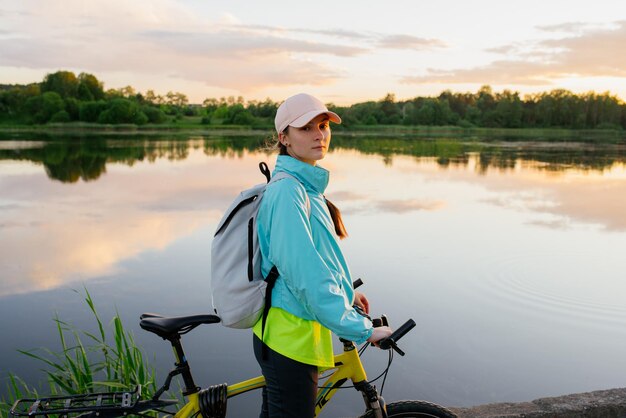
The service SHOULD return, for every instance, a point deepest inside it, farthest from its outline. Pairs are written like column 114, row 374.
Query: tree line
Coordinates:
column 555, row 109
column 65, row 97
column 69, row 161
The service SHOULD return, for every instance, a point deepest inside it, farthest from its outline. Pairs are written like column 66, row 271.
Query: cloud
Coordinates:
column 411, row 205
column 574, row 27
column 9, row 206
column 346, row 195
column 591, row 54
column 146, row 37
column 558, row 224
column 165, row 37
column 565, row 27
column 335, row 33
column 232, row 43
column 58, row 234
column 339, row 33
column 409, row 42
column 498, row 72
column 397, row 206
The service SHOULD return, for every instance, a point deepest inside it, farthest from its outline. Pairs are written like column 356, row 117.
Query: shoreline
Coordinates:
column 610, row 403
column 507, row 134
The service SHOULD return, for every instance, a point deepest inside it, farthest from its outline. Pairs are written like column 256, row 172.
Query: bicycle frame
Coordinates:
column 210, row 401
column 348, row 366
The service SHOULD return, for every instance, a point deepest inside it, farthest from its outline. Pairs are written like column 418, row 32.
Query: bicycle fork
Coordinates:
column 373, row 401
column 350, row 359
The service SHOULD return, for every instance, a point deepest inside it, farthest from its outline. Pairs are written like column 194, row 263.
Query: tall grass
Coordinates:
column 94, row 366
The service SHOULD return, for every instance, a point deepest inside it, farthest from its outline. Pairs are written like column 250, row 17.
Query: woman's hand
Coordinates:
column 361, row 301
column 379, row 333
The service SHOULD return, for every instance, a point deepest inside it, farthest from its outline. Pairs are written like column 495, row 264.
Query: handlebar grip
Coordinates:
column 388, row 342
column 404, row 328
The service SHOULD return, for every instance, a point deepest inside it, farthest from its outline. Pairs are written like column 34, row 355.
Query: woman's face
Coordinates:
column 310, row 142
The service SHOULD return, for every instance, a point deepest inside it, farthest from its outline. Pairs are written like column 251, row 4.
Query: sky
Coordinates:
column 343, row 52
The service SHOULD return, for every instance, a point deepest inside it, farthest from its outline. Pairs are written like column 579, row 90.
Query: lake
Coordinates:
column 509, row 255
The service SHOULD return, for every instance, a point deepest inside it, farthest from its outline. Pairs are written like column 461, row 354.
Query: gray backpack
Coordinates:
column 241, row 295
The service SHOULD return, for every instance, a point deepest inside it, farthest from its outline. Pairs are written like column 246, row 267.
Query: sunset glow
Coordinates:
column 343, row 52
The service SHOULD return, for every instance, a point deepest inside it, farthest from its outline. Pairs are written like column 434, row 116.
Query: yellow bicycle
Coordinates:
column 211, row 402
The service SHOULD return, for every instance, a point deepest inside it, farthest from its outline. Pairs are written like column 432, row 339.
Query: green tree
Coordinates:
column 426, row 112
column 408, row 114
column 152, row 98
column 366, row 113
column 84, row 94
column 122, row 111
column 154, row 114
column 265, row 109
column 176, row 99
column 390, row 112
column 243, row 118
column 220, row 115
column 60, row 117
column 486, row 104
column 89, row 83
column 72, row 107
column 458, row 102
column 64, row 83
column 90, row 111
column 508, row 109
column 41, row 108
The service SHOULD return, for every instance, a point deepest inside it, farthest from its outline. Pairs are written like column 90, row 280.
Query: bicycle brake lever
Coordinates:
column 397, row 349
column 389, row 343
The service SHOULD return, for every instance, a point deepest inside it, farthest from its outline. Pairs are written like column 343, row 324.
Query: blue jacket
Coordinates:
column 314, row 281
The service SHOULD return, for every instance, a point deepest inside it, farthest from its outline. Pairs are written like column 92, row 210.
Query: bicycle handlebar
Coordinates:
column 390, row 342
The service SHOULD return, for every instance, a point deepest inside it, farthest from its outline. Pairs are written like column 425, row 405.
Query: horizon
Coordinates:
column 346, row 53
column 522, row 97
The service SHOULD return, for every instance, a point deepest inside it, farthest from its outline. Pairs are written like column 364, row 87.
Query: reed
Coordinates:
column 93, row 366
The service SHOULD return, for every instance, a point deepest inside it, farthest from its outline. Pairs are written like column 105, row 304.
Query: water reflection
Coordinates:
column 150, row 192
column 508, row 255
column 68, row 160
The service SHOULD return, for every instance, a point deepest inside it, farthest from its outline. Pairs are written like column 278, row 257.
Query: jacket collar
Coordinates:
column 312, row 177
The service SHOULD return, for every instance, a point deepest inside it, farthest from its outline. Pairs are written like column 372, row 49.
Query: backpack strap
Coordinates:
column 265, row 170
column 271, row 280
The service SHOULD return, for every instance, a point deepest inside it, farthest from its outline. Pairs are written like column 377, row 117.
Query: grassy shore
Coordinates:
column 193, row 126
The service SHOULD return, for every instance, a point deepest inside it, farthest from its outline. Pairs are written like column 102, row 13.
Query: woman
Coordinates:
column 313, row 296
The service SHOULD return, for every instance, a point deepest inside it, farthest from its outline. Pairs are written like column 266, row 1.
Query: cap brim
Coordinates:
column 307, row 117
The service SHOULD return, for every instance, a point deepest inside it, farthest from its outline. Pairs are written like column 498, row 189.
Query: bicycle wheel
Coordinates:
column 416, row 409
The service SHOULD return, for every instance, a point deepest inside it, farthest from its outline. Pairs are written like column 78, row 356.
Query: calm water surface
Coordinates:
column 508, row 256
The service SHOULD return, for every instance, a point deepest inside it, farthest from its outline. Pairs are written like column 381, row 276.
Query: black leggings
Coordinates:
column 291, row 386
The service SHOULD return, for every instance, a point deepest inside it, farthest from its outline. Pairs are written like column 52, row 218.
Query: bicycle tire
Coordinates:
column 414, row 409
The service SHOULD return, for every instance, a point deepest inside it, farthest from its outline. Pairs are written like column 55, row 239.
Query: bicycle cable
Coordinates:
column 361, row 350
column 384, row 373
column 382, row 385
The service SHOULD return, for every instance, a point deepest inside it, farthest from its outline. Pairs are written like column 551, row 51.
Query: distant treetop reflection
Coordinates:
column 70, row 159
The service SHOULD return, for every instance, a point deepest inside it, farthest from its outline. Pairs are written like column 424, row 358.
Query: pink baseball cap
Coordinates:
column 298, row 110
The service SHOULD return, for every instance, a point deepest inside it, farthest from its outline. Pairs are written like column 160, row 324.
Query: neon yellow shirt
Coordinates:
column 299, row 339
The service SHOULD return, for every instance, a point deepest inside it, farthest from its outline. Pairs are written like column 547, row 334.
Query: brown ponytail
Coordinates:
column 335, row 214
